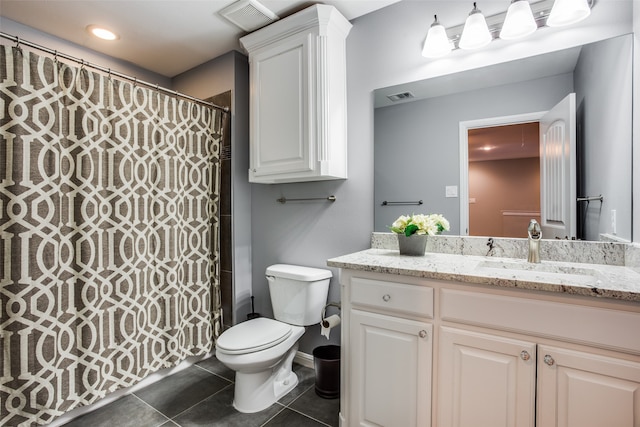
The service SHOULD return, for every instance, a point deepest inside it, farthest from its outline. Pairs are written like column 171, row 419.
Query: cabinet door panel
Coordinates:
column 391, row 371
column 586, row 390
column 281, row 98
column 485, row 380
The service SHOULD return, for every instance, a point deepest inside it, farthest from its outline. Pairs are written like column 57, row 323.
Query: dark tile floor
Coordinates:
column 202, row 395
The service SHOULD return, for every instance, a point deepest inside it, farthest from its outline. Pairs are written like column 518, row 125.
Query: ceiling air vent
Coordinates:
column 400, row 96
column 248, row 14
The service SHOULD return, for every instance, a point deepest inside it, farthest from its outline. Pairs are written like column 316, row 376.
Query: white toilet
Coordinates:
column 261, row 350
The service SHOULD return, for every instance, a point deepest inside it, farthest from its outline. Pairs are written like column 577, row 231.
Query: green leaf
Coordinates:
column 410, row 229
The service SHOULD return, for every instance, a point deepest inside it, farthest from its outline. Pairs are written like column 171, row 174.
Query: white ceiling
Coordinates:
column 517, row 141
column 164, row 36
column 531, row 68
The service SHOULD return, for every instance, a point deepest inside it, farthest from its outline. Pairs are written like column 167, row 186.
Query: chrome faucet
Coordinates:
column 535, row 235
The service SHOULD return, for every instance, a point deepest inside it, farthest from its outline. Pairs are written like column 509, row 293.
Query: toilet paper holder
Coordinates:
column 324, row 309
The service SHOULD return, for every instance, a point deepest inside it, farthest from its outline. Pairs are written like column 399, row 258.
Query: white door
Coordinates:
column 577, row 389
column 485, row 380
column 390, row 371
column 558, row 170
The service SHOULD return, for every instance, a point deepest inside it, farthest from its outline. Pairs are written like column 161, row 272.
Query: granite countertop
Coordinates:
column 596, row 280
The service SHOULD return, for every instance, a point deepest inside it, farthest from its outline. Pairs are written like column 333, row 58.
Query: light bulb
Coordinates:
column 566, row 12
column 437, row 43
column 102, row 33
column 519, row 21
column 475, row 33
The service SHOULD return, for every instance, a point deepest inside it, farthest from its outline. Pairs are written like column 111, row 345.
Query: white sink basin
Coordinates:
column 560, row 273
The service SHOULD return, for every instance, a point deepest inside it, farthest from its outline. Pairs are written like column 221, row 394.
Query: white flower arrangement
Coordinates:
column 420, row 224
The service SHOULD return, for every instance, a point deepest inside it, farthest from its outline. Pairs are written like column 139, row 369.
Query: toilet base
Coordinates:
column 257, row 391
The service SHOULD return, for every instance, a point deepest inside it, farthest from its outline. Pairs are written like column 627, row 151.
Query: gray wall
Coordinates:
column 604, row 103
column 417, row 143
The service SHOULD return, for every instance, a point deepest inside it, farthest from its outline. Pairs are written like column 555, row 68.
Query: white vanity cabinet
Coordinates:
column 389, row 354
column 298, row 97
column 494, row 358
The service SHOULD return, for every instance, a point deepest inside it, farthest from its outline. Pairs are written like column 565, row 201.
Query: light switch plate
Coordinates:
column 451, row 191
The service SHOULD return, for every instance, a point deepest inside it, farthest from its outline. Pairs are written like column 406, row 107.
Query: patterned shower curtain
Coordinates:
column 109, row 234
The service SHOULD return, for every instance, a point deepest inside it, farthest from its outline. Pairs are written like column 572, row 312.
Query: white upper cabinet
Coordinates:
column 298, row 97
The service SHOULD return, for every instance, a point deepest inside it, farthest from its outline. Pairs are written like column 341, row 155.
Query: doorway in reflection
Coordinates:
column 504, row 179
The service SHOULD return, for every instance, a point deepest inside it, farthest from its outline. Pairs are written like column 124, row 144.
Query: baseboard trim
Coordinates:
column 304, row 359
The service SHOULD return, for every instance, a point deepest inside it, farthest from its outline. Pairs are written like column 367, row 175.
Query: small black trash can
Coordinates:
column 326, row 361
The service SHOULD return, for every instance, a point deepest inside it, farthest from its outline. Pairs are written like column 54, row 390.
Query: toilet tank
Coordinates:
column 298, row 294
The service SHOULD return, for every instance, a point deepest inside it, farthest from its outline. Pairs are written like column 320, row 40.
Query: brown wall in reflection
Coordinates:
column 504, row 195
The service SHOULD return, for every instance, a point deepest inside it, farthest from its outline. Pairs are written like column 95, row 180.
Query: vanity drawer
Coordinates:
column 413, row 300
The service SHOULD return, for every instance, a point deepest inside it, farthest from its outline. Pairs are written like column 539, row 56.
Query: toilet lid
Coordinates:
column 253, row 335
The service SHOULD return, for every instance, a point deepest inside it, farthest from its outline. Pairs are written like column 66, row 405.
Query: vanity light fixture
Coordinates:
column 102, row 32
column 437, row 43
column 567, row 12
column 475, row 33
column 520, row 20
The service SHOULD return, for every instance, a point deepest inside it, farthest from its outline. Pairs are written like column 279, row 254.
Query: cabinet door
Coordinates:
column 485, row 380
column 391, row 371
column 577, row 389
column 281, row 99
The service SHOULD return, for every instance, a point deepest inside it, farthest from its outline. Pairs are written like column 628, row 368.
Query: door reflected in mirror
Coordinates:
column 555, row 187
column 504, row 179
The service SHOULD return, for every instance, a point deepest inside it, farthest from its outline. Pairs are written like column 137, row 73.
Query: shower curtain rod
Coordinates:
column 109, row 71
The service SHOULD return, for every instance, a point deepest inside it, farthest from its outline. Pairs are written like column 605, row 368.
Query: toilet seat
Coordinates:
column 253, row 335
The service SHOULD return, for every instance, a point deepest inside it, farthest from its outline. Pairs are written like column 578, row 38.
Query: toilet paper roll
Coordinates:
column 329, row 323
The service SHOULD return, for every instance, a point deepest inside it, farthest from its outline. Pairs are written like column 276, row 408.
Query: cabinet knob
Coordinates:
column 524, row 355
column 549, row 360
column 386, row 297
column 422, row 334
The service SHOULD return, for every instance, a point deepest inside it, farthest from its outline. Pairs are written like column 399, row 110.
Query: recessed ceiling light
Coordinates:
column 102, row 32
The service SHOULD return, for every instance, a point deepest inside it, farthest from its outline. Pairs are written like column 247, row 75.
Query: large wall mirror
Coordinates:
column 467, row 145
